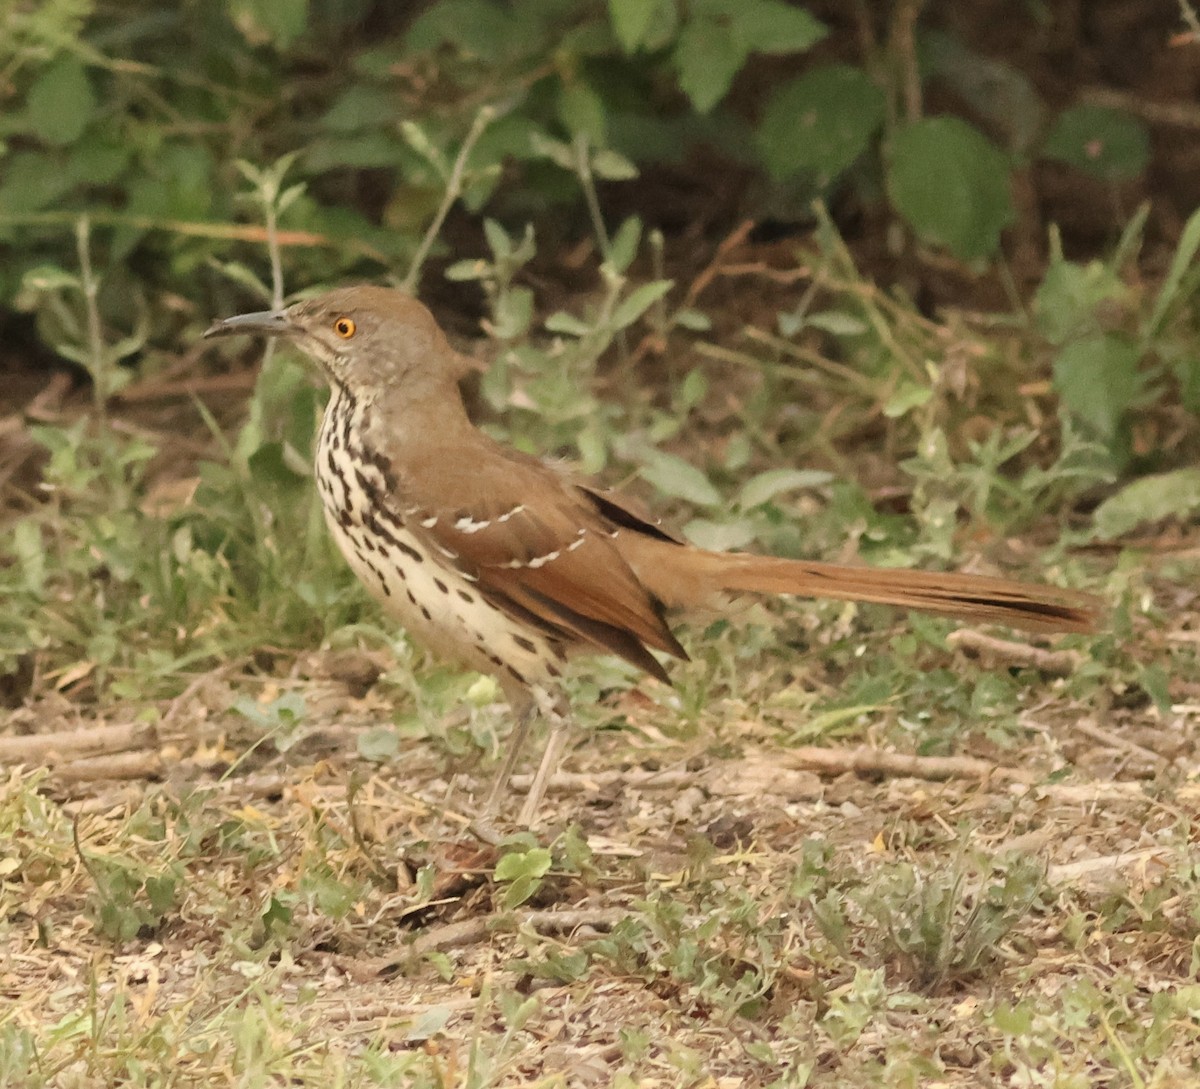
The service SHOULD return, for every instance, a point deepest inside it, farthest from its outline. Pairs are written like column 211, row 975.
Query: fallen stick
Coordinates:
column 1103, row 867
column 48, row 750
column 146, row 764
column 1054, row 663
column 866, row 760
column 472, row 931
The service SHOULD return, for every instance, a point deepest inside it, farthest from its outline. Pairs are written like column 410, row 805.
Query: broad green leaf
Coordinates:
column 1102, row 142
column 1098, row 379
column 706, row 58
column 1149, row 499
column 995, row 90
column 470, row 26
column 532, row 863
column 582, row 111
column 677, row 478
column 361, row 106
column 634, row 22
column 363, row 151
column 1068, row 299
column 29, row 182
column 767, row 485
column 773, row 26
column 951, row 185
column 60, row 103
column 821, row 122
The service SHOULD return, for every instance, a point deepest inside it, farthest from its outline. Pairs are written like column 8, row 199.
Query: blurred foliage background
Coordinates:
column 943, row 250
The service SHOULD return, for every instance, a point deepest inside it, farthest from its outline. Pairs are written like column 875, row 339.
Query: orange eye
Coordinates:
column 344, row 327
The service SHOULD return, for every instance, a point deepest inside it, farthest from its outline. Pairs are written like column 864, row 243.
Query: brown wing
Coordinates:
column 537, row 548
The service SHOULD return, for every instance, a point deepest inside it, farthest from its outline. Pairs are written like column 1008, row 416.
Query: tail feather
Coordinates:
column 965, row 597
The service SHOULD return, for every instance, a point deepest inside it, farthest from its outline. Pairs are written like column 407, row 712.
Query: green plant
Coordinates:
column 948, row 924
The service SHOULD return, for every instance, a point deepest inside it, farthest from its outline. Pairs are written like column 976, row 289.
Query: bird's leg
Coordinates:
column 551, row 757
column 525, row 711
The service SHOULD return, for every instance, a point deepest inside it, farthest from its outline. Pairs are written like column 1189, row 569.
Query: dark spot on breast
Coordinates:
column 515, row 675
column 410, row 552
column 525, row 644
column 466, row 597
column 441, row 586
column 384, row 464
column 426, row 613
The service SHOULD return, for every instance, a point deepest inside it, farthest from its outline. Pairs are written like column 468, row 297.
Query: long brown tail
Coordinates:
column 965, row 597
column 684, row 576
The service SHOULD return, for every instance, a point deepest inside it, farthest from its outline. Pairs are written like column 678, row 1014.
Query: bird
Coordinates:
column 509, row 565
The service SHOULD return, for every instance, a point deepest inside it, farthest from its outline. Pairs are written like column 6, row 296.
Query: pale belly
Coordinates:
column 440, row 608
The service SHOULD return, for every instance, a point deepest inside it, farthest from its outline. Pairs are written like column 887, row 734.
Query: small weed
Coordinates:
column 947, row 925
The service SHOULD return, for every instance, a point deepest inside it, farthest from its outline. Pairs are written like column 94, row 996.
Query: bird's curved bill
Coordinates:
column 270, row 323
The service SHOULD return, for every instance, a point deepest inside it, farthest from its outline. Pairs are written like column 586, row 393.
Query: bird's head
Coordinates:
column 367, row 339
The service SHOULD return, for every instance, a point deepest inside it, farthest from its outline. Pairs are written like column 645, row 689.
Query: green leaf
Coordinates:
column 477, row 27
column 773, row 26
column 1185, row 254
column 361, row 106
column 532, row 863
column 765, row 486
column 582, row 111
column 513, row 313
column 1013, row 1021
column 378, row 744
column 609, row 165
column 1098, row 379
column 567, row 324
column 706, row 58
column 721, row 536
column 633, row 21
column 639, row 301
column 277, row 22
column 695, row 320
column 30, row 181
column 1099, row 141
column 60, row 103
column 624, row 245
column 821, row 122
column 951, row 185
column 675, row 477
column 996, row 92
column 1149, row 499
column 907, row 396
column 837, row 323
column 50, row 278
column 1070, row 295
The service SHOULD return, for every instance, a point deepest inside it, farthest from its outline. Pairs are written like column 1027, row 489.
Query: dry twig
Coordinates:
column 1054, row 663
column 51, row 749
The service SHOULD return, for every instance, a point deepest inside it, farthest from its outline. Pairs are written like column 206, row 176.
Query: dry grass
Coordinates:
column 278, row 910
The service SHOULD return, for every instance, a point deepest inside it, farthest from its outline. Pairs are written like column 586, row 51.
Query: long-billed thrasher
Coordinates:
column 507, row 565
